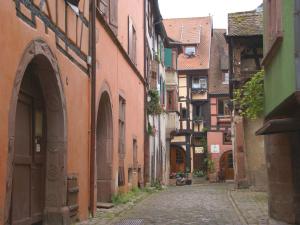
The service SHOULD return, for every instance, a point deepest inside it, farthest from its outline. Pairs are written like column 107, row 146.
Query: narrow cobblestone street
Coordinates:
column 213, row 204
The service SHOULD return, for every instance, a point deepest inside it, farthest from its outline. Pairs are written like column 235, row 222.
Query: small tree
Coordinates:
column 249, row 99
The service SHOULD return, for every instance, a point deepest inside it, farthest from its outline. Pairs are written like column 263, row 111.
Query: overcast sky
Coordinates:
column 197, row 8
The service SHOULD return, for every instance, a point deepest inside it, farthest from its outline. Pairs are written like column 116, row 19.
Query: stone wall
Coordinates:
column 255, row 155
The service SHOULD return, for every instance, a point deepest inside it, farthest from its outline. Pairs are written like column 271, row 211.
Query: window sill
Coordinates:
column 272, row 50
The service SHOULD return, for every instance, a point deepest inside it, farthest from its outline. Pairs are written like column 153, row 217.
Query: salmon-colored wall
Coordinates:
column 134, row 9
column 15, row 36
column 216, row 138
column 116, row 74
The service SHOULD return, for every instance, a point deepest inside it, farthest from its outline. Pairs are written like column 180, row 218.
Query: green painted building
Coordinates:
column 282, row 108
column 279, row 51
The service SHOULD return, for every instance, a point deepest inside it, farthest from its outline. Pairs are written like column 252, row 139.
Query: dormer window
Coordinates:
column 190, row 51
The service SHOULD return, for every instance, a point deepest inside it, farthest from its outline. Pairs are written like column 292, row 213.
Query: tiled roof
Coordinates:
column 191, row 31
column 219, row 52
column 245, row 23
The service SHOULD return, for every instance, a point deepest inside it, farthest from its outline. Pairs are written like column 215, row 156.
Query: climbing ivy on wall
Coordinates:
column 153, row 106
column 249, row 99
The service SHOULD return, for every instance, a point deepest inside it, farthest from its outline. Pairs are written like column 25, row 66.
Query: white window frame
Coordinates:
column 226, row 78
column 190, row 50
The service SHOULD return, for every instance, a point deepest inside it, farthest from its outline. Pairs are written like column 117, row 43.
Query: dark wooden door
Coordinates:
column 226, row 165
column 104, row 151
column 29, row 159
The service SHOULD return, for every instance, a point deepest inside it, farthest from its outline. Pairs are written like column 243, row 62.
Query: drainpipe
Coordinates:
column 93, row 103
column 146, row 137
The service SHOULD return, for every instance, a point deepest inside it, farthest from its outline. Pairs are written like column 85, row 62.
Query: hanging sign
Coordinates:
column 199, row 150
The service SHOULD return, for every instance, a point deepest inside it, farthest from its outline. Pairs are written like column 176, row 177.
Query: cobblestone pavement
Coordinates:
column 252, row 206
column 197, row 204
column 213, row 204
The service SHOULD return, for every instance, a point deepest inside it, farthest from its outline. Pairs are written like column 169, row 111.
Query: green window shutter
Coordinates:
column 168, row 57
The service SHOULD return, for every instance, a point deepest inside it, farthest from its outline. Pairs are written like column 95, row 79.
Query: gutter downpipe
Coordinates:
column 146, row 138
column 93, row 104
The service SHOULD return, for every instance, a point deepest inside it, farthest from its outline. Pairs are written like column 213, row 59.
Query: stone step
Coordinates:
column 104, row 205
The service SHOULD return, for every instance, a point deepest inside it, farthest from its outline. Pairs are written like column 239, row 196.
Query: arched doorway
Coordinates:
column 36, row 191
column 104, row 150
column 226, row 166
column 177, row 159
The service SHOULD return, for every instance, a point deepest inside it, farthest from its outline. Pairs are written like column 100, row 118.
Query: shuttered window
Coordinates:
column 121, row 171
column 132, row 39
column 171, row 98
column 134, row 153
column 121, row 127
column 109, row 10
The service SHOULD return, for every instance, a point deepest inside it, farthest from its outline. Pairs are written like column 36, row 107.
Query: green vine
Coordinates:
column 249, row 99
column 153, row 106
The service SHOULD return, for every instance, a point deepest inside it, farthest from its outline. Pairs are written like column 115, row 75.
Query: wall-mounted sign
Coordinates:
column 215, row 148
column 199, row 150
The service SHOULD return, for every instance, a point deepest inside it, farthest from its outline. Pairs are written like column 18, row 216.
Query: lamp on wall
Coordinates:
column 73, row 2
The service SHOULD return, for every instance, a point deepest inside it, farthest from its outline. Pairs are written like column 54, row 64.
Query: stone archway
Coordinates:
column 39, row 62
column 104, row 149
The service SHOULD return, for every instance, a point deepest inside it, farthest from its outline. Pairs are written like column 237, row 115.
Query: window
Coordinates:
column 190, row 51
column 223, row 107
column 121, row 175
column 274, row 27
column 109, row 10
column 174, row 59
column 162, row 89
column 199, row 83
column 134, row 153
column 121, row 128
column 226, row 78
column 179, row 156
column 183, row 113
column 227, row 137
column 121, row 172
column 171, row 104
column 197, row 112
column 132, row 39
column 149, row 18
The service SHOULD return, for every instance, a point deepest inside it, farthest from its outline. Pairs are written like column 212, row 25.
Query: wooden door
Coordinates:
column 29, row 160
column 104, row 151
column 226, row 165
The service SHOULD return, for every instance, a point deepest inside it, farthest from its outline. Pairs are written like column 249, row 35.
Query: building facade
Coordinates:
column 219, row 134
column 281, row 122
column 44, row 91
column 187, row 148
column 245, row 40
column 46, row 141
column 155, row 42
column 119, row 105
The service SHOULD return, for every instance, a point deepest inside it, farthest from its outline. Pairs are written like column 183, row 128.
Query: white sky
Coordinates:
column 197, row 8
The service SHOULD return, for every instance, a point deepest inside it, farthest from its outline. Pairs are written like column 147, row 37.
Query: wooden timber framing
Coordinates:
column 36, row 11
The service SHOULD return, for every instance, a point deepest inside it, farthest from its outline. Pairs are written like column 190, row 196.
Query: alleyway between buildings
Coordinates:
column 213, row 204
